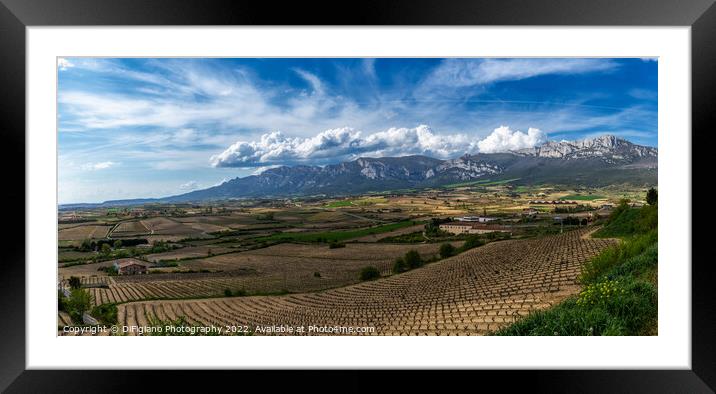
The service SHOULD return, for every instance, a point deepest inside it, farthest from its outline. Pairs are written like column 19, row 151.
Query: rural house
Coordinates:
column 130, row 267
column 472, row 228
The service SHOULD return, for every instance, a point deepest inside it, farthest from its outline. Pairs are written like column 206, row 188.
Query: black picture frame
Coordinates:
column 16, row 15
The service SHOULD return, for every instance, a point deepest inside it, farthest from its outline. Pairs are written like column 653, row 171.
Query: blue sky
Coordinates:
column 132, row 128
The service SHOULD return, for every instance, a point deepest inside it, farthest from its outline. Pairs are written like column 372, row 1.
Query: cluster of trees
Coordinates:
column 573, row 221
column 432, row 228
column 578, row 208
column 369, row 273
column 89, row 245
column 335, row 245
column 78, row 302
column 265, row 216
column 411, row 260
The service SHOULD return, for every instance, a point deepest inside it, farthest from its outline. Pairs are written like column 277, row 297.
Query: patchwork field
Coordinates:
column 187, row 252
column 130, row 228
column 470, row 294
column 83, row 232
column 279, row 268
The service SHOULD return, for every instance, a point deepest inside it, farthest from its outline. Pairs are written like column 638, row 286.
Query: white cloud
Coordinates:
column 63, row 64
column 503, row 139
column 191, row 185
column 99, row 166
column 261, row 170
column 643, row 94
column 346, row 144
column 341, row 144
column 312, row 80
column 468, row 72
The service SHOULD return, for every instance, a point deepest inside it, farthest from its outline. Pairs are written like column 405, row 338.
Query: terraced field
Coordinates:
column 265, row 270
column 469, row 294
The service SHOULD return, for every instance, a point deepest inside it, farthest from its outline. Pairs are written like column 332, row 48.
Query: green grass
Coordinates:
column 620, row 300
column 334, row 236
column 579, row 197
column 338, row 204
column 625, row 221
column 615, row 256
column 619, row 294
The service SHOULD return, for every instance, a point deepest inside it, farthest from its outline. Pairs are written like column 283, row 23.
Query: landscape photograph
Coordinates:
column 357, row 196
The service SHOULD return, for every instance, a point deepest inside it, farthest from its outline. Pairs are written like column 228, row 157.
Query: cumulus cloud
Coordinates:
column 99, row 166
column 504, row 139
column 341, row 144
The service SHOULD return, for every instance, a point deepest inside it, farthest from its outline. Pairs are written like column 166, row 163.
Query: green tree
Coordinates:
column 106, row 249
column 446, row 250
column 369, row 273
column 118, row 244
column 75, row 282
column 472, row 241
column 399, row 266
column 86, row 245
column 79, row 302
column 413, row 259
column 652, row 196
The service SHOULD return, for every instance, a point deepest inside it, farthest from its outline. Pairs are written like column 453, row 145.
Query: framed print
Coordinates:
column 446, row 188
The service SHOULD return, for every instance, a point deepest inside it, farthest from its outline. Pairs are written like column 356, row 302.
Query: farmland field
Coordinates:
column 292, row 254
column 130, row 228
column 83, row 232
column 285, row 267
column 578, row 197
column 470, row 294
column 187, row 252
column 337, row 235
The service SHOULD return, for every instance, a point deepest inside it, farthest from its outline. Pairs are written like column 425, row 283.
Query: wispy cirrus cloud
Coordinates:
column 99, row 166
column 470, row 72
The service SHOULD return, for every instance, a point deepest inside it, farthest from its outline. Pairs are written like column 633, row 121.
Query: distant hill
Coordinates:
column 597, row 161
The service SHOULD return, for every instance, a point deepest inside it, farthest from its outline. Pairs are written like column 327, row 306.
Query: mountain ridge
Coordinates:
column 592, row 161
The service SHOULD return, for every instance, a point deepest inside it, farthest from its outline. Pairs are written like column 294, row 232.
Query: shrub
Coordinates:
column 316, row 274
column 472, row 241
column 652, row 196
column 369, row 273
column 61, row 302
column 446, row 250
column 75, row 282
column 413, row 260
column 336, row 245
column 105, row 313
column 228, row 293
column 86, row 246
column 399, row 266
